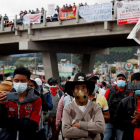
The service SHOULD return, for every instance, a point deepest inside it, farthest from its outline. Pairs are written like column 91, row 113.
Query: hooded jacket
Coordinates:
column 46, row 101
column 21, row 119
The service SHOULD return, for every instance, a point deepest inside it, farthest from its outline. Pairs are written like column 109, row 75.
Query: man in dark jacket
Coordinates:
column 114, row 95
column 46, row 105
column 20, row 120
column 46, row 98
column 127, row 116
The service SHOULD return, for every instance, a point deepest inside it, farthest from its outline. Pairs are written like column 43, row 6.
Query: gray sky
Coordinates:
column 13, row 7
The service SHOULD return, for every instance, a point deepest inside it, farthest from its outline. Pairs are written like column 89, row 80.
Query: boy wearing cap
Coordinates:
column 114, row 95
column 127, row 116
column 82, row 119
column 99, row 99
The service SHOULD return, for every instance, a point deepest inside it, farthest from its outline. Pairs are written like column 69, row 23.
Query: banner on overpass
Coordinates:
column 51, row 9
column 65, row 14
column 32, row 18
column 96, row 12
column 135, row 33
column 128, row 12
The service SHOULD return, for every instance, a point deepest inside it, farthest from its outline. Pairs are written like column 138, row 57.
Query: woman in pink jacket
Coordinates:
column 65, row 99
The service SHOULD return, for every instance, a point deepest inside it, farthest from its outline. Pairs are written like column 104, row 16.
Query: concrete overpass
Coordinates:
column 71, row 36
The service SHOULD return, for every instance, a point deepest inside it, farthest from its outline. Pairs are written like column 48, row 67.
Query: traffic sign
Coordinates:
column 105, row 66
column 128, row 66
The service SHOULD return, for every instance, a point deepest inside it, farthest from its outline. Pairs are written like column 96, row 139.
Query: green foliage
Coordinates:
column 118, row 54
column 97, row 63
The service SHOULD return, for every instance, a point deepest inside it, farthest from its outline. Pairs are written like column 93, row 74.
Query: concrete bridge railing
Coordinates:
column 16, row 27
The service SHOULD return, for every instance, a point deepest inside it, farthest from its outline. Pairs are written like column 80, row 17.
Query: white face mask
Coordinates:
column 20, row 87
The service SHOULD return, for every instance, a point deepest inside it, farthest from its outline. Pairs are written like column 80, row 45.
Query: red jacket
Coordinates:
column 23, row 117
column 30, row 110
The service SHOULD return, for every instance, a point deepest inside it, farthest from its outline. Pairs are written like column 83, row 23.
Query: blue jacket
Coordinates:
column 49, row 100
column 67, row 100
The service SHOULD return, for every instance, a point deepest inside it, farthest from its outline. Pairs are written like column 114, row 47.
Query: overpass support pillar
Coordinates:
column 88, row 63
column 50, row 65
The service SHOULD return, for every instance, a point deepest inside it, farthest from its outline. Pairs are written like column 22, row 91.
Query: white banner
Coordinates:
column 97, row 12
column 32, row 18
column 51, row 9
column 135, row 33
column 128, row 12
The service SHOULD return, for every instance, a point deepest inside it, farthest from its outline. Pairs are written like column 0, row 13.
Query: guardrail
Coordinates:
column 19, row 21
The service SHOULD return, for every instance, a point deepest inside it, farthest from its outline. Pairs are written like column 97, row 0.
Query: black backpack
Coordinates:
column 114, row 99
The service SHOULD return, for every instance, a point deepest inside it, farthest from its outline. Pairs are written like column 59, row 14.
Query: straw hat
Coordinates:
column 6, row 86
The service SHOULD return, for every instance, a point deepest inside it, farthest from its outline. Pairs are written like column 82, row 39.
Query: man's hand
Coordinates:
column 76, row 125
column 134, row 122
column 137, row 115
column 2, row 98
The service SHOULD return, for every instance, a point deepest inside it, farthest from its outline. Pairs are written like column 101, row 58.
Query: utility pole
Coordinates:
column 110, row 74
column 3, row 70
column 71, row 58
column 138, row 55
column 35, row 61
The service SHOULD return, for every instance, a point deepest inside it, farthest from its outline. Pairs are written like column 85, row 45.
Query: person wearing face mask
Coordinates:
column 20, row 120
column 56, row 95
column 103, row 85
column 46, row 105
column 127, row 116
column 99, row 99
column 114, row 95
column 82, row 119
column 93, row 77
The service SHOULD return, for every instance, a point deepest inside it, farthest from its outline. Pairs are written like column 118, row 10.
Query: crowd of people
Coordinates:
column 7, row 23
column 76, row 107
column 51, row 18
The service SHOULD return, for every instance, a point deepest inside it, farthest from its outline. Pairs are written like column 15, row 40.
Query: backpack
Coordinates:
column 114, row 99
column 60, row 93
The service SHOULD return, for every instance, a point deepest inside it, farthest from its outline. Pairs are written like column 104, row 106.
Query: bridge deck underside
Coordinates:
column 95, row 42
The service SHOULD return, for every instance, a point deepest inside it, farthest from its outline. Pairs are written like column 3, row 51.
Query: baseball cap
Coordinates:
column 135, row 76
column 92, row 76
column 38, row 81
column 121, row 74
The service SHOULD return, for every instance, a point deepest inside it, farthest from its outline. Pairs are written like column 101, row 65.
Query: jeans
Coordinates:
column 52, row 125
column 109, row 129
column 50, row 131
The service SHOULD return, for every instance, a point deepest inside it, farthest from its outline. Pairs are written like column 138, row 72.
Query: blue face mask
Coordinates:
column 120, row 83
column 96, row 88
column 20, row 87
column 137, row 92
